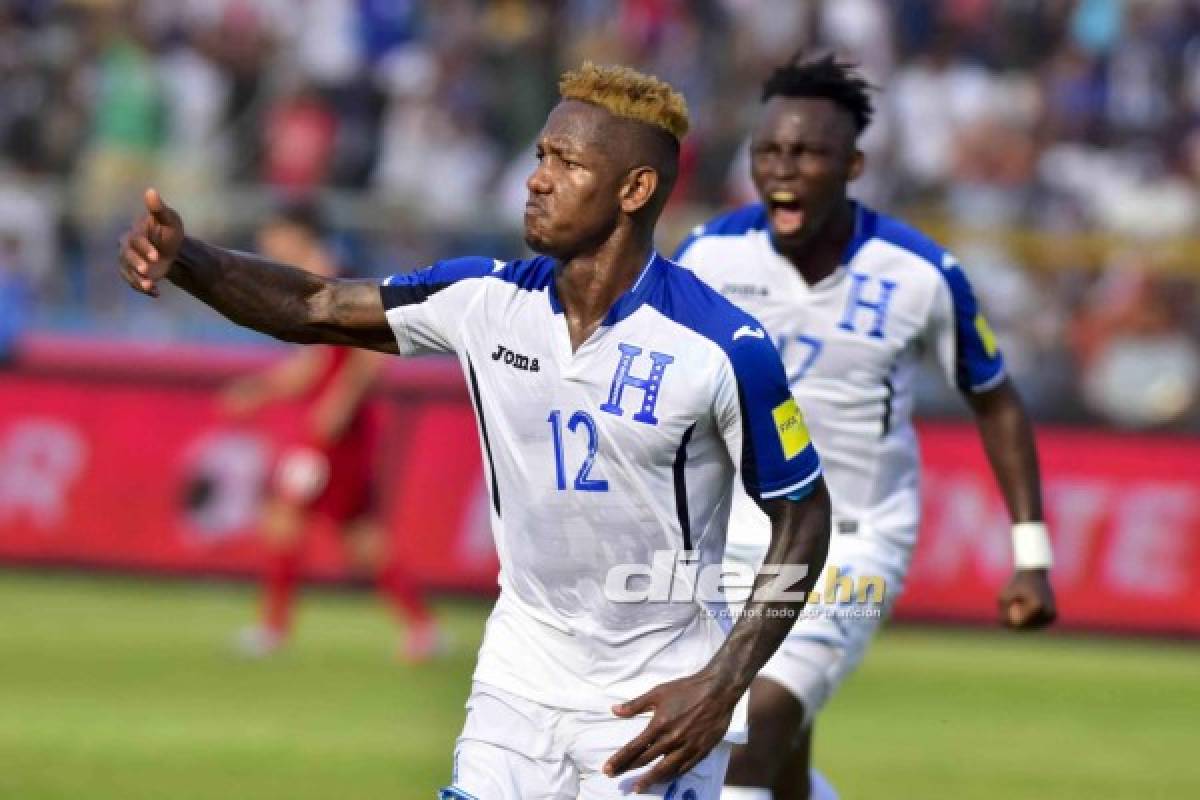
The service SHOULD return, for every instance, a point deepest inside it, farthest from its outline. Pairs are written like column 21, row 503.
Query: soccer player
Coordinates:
column 324, row 474
column 617, row 397
column 853, row 298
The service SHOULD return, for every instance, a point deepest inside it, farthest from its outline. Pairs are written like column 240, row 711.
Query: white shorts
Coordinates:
column 829, row 641
column 514, row 749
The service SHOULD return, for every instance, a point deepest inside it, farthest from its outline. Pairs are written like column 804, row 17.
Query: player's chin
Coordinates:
column 534, row 241
column 789, row 238
column 537, row 241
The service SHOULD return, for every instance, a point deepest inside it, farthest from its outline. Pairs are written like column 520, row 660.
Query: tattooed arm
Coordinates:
column 276, row 299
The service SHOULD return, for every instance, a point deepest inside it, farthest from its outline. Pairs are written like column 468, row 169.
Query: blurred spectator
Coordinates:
column 1096, row 24
column 437, row 162
column 1043, row 137
column 298, row 142
column 1074, row 95
column 1141, row 368
column 196, row 94
column 28, row 206
column 933, row 98
column 1139, row 84
column 860, row 30
column 243, row 38
column 128, row 112
column 994, row 158
column 15, row 298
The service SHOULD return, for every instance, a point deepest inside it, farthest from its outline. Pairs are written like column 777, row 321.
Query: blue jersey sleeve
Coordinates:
column 425, row 307
column 777, row 455
column 737, row 222
column 966, row 345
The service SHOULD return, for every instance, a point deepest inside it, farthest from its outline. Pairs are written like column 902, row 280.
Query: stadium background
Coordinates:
column 1054, row 145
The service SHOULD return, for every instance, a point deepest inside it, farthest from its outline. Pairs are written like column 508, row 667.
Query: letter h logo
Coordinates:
column 649, row 385
column 856, row 302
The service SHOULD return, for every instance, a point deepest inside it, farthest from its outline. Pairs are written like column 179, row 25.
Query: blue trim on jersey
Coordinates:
column 737, row 222
column 975, row 370
column 753, row 217
column 531, row 274
column 455, row 793
column 762, row 387
column 416, row 287
column 403, row 289
column 628, row 302
column 904, row 236
column 864, row 229
column 797, row 491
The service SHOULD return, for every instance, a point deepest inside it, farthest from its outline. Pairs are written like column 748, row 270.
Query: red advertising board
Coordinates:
column 116, row 457
column 1124, row 513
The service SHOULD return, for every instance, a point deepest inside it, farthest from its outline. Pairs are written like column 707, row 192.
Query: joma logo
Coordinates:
column 515, row 360
column 745, row 290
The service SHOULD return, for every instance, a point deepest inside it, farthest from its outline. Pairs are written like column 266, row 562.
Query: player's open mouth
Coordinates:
column 786, row 211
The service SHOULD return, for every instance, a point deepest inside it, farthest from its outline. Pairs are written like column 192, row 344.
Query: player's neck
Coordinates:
column 817, row 257
column 588, row 284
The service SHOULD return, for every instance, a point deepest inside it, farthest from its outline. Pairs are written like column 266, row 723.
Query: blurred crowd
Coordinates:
column 1054, row 145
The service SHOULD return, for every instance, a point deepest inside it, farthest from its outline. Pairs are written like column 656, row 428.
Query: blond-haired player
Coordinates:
column 617, row 397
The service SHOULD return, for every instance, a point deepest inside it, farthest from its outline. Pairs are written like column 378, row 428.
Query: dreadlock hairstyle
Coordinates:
column 838, row 81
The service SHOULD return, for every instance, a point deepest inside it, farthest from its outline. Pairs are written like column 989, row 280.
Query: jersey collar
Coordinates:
column 864, row 229
column 632, row 299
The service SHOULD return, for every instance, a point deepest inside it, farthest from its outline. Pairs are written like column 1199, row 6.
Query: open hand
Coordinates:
column 691, row 716
column 151, row 244
column 1027, row 602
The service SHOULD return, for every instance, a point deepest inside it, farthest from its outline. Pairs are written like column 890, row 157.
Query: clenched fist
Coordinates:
column 1027, row 602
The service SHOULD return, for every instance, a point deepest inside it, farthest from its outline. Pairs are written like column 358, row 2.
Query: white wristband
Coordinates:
column 1031, row 546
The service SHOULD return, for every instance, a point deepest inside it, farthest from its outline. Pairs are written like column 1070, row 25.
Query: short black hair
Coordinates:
column 839, row 81
column 305, row 213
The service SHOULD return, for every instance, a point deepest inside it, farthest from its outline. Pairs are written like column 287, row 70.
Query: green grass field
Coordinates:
column 113, row 688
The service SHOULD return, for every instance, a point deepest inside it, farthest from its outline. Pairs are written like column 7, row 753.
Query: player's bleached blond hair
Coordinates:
column 627, row 93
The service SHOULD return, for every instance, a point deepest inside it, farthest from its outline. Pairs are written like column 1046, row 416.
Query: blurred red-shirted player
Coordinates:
column 325, row 471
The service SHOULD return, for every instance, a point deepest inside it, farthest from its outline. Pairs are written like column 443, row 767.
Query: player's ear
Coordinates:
column 858, row 163
column 638, row 189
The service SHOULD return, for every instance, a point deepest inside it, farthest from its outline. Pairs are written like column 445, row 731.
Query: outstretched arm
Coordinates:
column 966, row 347
column 692, row 714
column 283, row 301
column 278, row 300
column 1004, row 426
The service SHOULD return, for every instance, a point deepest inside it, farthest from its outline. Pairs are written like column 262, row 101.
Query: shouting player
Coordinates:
column 617, row 397
column 853, row 298
column 324, row 474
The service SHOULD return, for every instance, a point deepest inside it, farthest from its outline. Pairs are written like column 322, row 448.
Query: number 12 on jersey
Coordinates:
column 583, row 483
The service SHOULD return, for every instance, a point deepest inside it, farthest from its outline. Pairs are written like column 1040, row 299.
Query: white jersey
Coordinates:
column 604, row 456
column 851, row 345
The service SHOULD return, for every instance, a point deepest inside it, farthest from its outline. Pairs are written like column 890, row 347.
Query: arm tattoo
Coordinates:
column 282, row 301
